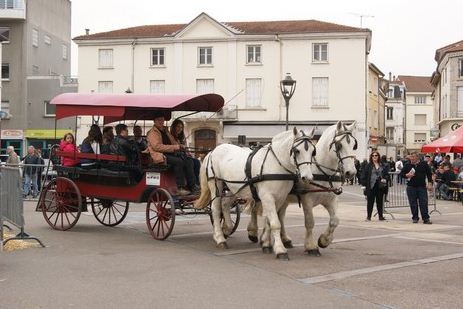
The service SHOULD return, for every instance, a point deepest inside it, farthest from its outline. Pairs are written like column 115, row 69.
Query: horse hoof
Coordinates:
column 223, row 245
column 226, row 236
column 283, row 256
column 313, row 252
column 254, row 239
column 288, row 244
column 321, row 245
column 267, row 250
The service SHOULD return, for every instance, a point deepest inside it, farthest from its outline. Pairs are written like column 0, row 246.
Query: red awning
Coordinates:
column 131, row 106
column 452, row 142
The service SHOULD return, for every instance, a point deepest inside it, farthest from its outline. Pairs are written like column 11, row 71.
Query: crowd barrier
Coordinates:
column 11, row 204
column 397, row 196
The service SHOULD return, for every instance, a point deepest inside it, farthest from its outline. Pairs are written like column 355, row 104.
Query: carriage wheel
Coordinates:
column 160, row 214
column 109, row 212
column 235, row 213
column 61, row 203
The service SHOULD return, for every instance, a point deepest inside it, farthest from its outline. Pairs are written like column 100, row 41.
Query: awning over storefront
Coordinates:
column 267, row 130
column 12, row 134
column 47, row 133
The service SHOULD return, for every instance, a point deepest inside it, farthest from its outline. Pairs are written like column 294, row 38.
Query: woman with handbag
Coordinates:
column 374, row 179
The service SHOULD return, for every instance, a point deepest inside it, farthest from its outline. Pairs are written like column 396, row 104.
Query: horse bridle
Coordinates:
column 294, row 151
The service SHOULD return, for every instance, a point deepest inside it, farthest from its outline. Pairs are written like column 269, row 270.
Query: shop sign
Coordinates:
column 12, row 134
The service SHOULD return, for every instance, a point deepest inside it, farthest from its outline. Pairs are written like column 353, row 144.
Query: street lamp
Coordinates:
column 287, row 88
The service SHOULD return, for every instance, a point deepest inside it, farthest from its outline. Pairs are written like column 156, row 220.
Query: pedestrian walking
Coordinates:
column 374, row 179
column 38, row 153
column 13, row 158
column 417, row 172
column 31, row 160
column 398, row 167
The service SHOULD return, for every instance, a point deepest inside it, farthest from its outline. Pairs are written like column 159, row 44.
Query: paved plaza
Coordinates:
column 392, row 264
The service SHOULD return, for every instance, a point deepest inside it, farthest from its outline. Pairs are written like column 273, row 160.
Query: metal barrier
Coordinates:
column 397, row 196
column 12, row 207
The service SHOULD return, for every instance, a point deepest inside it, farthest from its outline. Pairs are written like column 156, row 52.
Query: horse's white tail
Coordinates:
column 205, row 196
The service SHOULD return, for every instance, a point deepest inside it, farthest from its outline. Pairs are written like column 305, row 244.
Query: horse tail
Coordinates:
column 205, row 196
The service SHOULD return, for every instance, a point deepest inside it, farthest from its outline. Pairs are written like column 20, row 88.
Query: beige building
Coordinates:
column 419, row 111
column 448, row 83
column 244, row 62
column 376, row 106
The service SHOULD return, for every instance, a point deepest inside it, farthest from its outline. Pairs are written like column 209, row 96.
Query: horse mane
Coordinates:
column 327, row 136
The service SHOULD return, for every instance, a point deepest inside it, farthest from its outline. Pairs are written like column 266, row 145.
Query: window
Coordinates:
column 460, row 101
column 8, row 4
column 4, row 35
column 320, row 52
column 420, row 100
column 389, row 113
column 390, row 93
column 5, row 71
column 65, row 52
column 5, row 107
column 105, row 58
column 204, row 86
column 320, row 92
column 157, row 56
column 205, row 56
column 35, row 38
column 420, row 137
column 460, row 67
column 50, row 109
column 253, row 92
column 157, row 86
column 420, row 119
column 105, row 87
column 35, row 70
column 253, row 54
column 390, row 134
column 47, row 39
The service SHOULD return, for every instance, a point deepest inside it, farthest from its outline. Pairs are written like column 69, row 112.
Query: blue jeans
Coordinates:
column 30, row 180
column 418, row 196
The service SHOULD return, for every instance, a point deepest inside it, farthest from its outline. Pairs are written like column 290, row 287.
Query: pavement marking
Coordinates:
column 368, row 270
column 429, row 240
column 243, row 251
column 354, row 194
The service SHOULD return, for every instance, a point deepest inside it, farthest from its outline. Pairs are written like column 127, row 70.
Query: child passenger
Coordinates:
column 68, row 144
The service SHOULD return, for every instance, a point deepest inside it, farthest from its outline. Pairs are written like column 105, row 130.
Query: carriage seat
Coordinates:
column 77, row 170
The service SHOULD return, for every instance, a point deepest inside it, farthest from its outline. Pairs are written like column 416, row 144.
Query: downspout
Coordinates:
column 277, row 38
column 132, row 81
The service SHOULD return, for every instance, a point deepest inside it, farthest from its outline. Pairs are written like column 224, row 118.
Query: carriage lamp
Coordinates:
column 287, row 88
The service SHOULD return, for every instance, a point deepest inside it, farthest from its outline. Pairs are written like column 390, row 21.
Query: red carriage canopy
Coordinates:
column 129, row 106
column 452, row 142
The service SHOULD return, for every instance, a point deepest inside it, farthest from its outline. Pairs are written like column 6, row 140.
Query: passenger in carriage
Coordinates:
column 91, row 144
column 121, row 145
column 164, row 148
column 139, row 140
column 68, row 144
column 177, row 131
column 108, row 136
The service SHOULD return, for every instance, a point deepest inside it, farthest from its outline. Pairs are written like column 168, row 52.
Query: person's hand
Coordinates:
column 430, row 186
column 409, row 175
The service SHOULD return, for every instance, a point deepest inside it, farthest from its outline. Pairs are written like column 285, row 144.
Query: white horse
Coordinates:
column 273, row 170
column 334, row 162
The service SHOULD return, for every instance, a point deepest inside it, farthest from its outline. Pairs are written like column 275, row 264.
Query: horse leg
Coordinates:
column 265, row 238
column 216, row 210
column 275, row 228
column 252, row 226
column 227, row 226
column 309, row 244
column 327, row 237
column 287, row 242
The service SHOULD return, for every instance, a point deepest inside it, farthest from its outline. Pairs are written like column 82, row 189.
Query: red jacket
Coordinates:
column 68, row 147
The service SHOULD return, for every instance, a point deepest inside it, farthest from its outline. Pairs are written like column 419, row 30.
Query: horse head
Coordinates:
column 302, row 151
column 344, row 145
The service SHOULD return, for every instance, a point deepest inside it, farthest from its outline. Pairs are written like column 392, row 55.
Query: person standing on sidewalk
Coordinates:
column 374, row 179
column 416, row 172
column 13, row 158
column 31, row 160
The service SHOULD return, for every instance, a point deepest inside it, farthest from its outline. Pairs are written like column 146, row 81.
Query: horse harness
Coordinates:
column 251, row 181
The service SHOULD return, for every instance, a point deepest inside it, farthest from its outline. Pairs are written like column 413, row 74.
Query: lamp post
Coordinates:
column 287, row 88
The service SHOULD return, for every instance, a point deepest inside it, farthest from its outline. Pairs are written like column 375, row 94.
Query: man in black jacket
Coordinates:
column 31, row 160
column 416, row 172
column 122, row 146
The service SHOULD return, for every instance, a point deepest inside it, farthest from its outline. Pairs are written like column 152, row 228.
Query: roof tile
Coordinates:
column 417, row 83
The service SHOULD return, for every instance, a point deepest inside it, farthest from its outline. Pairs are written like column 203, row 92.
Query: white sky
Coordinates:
column 406, row 33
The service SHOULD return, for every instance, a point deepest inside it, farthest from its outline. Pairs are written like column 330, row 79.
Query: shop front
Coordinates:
column 11, row 138
column 45, row 138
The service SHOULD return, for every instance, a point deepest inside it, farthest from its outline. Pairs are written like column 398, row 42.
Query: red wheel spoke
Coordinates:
column 118, row 210
column 155, row 223
column 101, row 209
column 162, row 228
column 67, row 218
column 56, row 220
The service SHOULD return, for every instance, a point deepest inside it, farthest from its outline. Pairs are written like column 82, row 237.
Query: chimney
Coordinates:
column 87, row 31
column 390, row 76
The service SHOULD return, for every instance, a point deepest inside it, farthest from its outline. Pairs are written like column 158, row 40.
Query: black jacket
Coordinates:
column 422, row 171
column 366, row 175
column 31, row 159
column 124, row 147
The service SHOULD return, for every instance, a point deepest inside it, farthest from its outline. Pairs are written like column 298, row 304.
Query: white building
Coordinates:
column 395, row 116
column 244, row 62
column 419, row 111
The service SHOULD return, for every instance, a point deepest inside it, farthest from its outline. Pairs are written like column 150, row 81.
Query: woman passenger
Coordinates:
column 91, row 144
column 68, row 144
column 177, row 131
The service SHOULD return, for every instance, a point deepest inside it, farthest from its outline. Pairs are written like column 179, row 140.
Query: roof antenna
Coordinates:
column 362, row 16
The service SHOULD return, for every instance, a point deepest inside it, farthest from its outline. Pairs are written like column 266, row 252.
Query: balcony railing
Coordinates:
column 12, row 9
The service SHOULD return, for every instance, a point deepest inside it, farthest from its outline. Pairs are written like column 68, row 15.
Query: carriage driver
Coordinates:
column 164, row 148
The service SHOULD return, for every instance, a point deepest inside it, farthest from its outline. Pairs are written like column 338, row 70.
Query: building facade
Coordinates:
column 395, row 117
column 35, row 67
column 419, row 111
column 448, row 83
column 244, row 62
column 376, row 107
